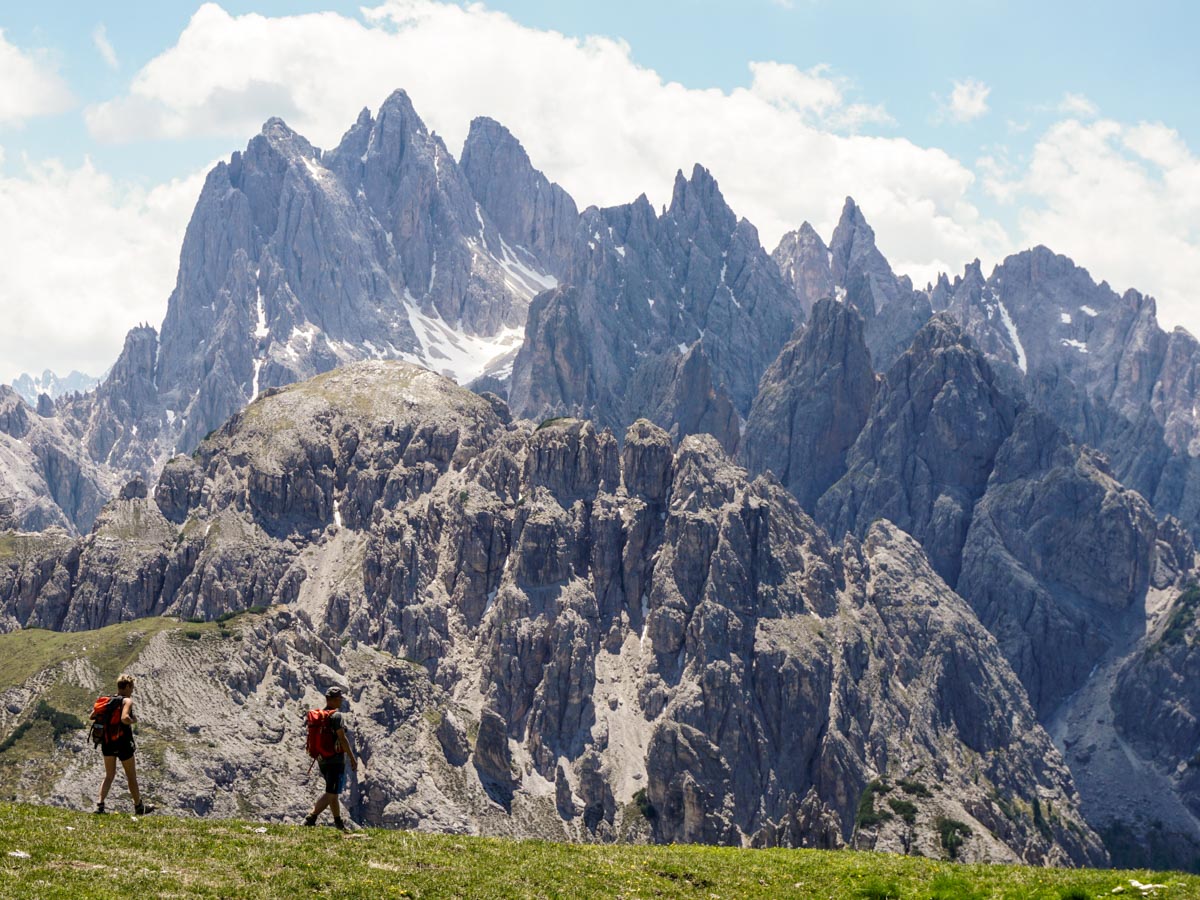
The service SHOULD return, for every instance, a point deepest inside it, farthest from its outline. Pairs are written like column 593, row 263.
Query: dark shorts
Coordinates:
column 333, row 770
column 122, row 748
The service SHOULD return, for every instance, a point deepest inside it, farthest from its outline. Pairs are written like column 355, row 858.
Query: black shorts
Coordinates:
column 122, row 748
column 333, row 770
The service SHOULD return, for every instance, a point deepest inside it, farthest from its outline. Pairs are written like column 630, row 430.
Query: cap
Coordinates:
column 335, row 691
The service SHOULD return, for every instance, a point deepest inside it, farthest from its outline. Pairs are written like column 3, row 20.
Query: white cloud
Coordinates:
column 606, row 128
column 967, row 102
column 1077, row 105
column 1121, row 200
column 816, row 94
column 31, row 86
column 104, row 46
column 85, row 258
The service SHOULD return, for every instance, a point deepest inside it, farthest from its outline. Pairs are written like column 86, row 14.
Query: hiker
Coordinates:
column 327, row 744
column 117, row 743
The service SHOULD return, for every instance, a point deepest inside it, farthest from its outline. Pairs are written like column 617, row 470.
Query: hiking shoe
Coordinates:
column 339, row 824
column 143, row 810
column 310, row 821
column 99, row 810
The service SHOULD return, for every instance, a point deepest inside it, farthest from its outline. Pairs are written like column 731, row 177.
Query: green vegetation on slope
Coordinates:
column 28, row 763
column 78, row 855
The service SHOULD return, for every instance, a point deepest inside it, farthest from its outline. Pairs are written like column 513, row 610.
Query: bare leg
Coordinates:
column 110, row 772
column 322, row 803
column 334, row 805
column 131, row 777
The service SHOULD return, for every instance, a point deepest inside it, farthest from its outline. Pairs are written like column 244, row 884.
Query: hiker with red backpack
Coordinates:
column 112, row 731
column 328, row 746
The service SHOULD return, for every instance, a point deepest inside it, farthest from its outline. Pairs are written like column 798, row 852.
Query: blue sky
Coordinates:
column 1069, row 115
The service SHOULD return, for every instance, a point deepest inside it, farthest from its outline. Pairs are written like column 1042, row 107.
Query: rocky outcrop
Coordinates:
column 581, row 621
column 812, row 403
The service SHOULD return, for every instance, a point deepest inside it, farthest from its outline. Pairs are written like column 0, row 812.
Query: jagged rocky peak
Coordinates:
column 697, row 203
column 892, row 310
column 812, row 404
column 805, row 263
column 297, row 261
column 52, row 385
column 852, row 248
column 670, row 317
column 530, row 211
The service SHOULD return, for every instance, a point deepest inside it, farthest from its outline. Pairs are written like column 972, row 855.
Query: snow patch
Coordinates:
column 1011, row 328
column 315, row 169
column 260, row 329
column 1065, row 318
column 254, row 384
column 1088, row 311
column 337, row 512
column 520, row 278
column 839, row 294
column 451, row 351
column 1078, row 345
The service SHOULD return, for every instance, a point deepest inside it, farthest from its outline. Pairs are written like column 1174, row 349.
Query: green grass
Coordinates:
column 1182, row 616
column 78, row 855
column 868, row 816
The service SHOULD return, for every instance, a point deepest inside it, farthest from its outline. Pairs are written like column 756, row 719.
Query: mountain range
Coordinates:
column 722, row 545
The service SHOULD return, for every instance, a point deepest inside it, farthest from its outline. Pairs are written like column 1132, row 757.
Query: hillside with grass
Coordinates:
column 47, row 853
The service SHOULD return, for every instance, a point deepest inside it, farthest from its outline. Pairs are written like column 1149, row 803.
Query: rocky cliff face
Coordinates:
column 812, row 403
column 47, row 479
column 927, row 448
column 586, row 621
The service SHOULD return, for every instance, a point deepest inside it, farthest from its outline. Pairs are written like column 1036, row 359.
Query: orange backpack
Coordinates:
column 322, row 741
column 106, row 719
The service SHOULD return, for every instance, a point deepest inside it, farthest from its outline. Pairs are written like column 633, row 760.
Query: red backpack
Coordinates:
column 322, row 740
column 106, row 719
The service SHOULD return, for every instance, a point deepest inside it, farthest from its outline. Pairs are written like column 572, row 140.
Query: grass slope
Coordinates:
column 78, row 855
column 28, row 762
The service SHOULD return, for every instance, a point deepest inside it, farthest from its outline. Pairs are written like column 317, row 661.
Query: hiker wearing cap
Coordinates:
column 117, row 744
column 329, row 747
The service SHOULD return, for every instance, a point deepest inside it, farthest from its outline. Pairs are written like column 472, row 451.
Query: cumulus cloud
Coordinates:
column 85, row 258
column 32, row 86
column 104, row 46
column 1122, row 200
column 783, row 147
column 967, row 101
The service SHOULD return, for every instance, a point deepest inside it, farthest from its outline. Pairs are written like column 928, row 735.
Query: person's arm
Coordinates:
column 344, row 743
column 127, row 716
